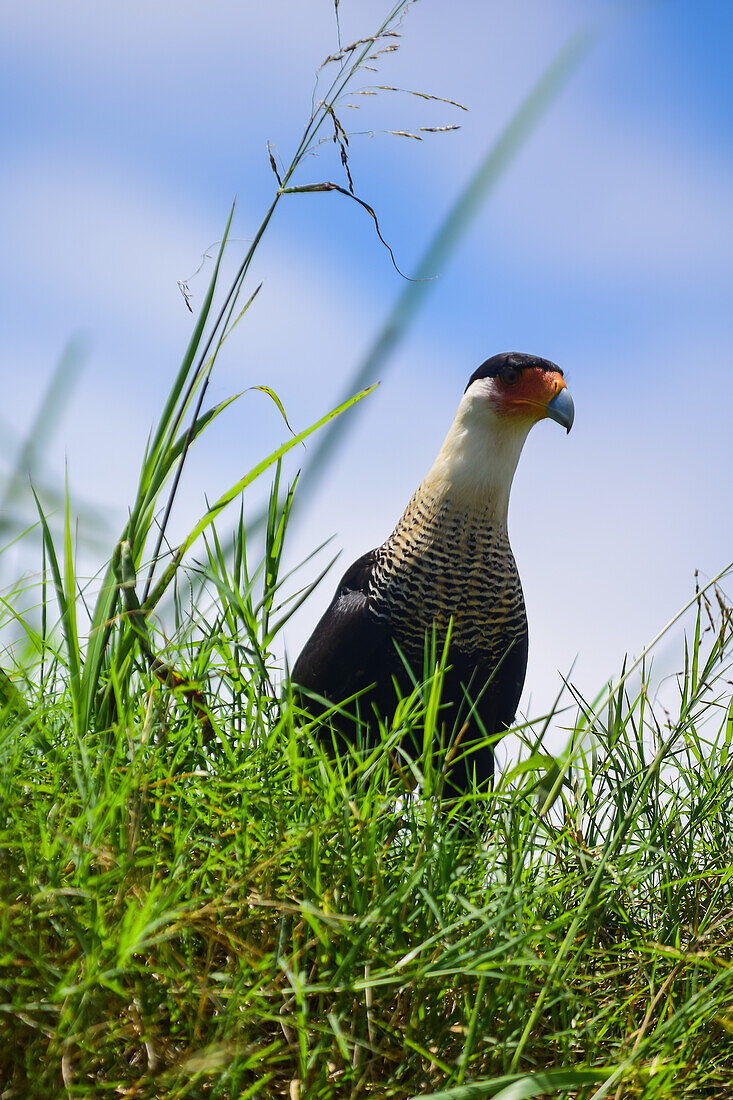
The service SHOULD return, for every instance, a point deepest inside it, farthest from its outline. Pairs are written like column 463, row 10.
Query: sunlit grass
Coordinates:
column 189, row 914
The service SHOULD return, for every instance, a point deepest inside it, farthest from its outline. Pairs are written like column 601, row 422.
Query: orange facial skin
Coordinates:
column 528, row 395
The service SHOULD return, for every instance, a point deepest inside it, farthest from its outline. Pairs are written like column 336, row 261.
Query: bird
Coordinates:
column 447, row 571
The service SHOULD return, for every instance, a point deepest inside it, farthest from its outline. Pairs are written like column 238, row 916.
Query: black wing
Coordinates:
column 495, row 691
column 350, row 648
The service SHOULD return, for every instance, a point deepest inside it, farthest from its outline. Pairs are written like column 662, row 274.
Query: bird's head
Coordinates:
column 504, row 398
column 522, row 388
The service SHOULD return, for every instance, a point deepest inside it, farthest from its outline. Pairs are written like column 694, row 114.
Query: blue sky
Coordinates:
column 607, row 247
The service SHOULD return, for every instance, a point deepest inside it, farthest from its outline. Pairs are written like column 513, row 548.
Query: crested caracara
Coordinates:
column 447, row 560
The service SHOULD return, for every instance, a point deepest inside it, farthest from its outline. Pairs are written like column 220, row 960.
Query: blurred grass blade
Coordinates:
column 523, row 1087
column 29, row 451
column 49, row 413
column 449, row 236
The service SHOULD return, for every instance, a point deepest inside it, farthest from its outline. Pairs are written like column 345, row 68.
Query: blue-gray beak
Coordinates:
column 562, row 409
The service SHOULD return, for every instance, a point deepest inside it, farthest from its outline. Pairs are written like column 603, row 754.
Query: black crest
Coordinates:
column 510, row 360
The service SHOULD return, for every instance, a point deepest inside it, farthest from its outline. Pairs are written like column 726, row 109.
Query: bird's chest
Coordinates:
column 440, row 566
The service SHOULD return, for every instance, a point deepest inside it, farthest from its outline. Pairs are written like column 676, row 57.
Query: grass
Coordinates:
column 226, row 911
column 197, row 901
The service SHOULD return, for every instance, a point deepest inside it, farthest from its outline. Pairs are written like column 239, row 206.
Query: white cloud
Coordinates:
column 590, row 197
column 596, row 192
column 102, row 245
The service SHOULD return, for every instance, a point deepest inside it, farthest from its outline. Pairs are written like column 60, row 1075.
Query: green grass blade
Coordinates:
column 168, row 420
column 67, row 606
column 238, row 487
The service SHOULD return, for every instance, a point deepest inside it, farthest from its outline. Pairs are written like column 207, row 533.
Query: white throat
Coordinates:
column 475, row 466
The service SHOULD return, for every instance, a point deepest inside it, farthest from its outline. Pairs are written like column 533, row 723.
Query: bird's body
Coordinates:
column 448, row 561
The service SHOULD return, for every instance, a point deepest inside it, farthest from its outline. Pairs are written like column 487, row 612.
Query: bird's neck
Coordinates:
column 474, row 469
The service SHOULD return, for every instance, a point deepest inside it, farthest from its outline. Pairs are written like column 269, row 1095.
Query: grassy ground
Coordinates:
column 195, row 900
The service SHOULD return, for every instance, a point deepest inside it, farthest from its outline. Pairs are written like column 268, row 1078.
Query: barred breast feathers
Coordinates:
column 441, row 563
column 449, row 555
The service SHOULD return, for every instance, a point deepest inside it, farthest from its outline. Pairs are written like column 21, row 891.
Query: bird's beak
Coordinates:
column 561, row 408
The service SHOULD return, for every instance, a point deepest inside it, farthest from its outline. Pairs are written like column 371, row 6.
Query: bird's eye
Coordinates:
column 510, row 376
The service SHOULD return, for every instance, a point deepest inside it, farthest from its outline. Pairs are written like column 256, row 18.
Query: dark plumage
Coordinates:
column 447, row 559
